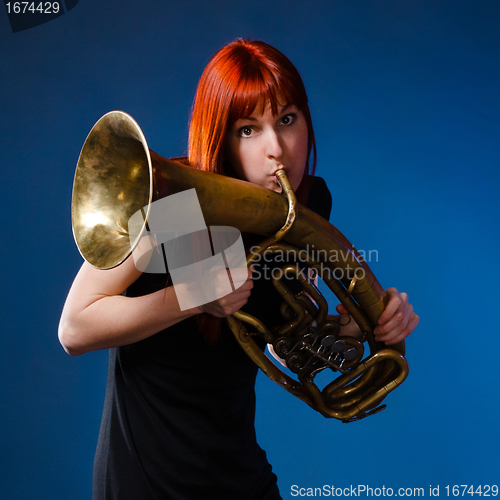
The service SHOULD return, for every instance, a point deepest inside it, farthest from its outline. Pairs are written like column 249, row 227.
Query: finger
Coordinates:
column 241, row 277
column 397, row 301
column 394, row 303
column 245, row 288
column 341, row 309
column 229, row 309
column 239, row 294
column 415, row 320
column 394, row 327
column 412, row 324
column 397, row 322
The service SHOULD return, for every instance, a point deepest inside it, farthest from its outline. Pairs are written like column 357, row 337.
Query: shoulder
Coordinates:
column 319, row 198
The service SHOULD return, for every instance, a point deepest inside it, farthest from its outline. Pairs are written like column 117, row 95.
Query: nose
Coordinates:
column 274, row 146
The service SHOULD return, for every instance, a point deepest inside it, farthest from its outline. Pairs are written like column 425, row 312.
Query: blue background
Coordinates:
column 405, row 100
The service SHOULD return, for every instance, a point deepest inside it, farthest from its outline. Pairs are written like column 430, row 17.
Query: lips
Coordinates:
column 275, row 186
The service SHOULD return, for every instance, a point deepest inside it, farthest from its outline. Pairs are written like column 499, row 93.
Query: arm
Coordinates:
column 97, row 316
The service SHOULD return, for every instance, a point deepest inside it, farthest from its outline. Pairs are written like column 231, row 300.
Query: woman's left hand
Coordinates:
column 397, row 321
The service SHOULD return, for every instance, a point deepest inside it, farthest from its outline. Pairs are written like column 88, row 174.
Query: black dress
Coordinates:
column 178, row 419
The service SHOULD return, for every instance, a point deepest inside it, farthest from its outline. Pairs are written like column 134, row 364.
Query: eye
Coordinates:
column 288, row 119
column 245, row 131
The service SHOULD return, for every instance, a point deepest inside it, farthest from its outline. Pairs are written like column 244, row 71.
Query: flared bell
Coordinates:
column 113, row 180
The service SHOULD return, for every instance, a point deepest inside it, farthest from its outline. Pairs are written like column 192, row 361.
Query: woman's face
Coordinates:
column 262, row 143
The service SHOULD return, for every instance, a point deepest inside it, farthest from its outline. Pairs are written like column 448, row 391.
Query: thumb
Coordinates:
column 341, row 309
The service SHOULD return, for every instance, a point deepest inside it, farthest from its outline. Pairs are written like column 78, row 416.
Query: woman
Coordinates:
column 178, row 418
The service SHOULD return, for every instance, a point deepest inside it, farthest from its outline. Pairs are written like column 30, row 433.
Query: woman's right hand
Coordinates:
column 229, row 304
column 97, row 315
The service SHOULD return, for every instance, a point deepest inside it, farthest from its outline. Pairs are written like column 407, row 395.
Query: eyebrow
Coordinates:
column 252, row 119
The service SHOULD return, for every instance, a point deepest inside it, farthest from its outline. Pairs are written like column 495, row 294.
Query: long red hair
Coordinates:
column 234, row 81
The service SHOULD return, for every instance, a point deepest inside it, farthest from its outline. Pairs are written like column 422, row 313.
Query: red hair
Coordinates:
column 234, row 81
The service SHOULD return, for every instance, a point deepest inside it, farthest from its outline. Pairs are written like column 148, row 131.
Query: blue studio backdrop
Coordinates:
column 404, row 96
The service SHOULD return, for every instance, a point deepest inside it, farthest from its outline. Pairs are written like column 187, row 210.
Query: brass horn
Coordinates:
column 117, row 175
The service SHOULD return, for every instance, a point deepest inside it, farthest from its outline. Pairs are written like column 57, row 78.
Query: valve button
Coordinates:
column 328, row 341
column 350, row 354
column 338, row 346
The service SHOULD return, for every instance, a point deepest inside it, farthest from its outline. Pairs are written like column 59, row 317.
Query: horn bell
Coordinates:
column 113, row 180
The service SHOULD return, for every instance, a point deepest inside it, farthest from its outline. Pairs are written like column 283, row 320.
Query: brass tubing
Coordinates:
column 290, row 299
column 371, row 363
column 118, row 175
column 290, row 218
column 342, row 399
column 345, row 385
column 371, row 400
column 148, row 177
column 313, row 292
column 307, row 304
column 256, row 323
column 265, row 364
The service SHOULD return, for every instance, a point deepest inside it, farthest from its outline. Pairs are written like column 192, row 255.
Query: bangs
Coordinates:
column 241, row 77
column 258, row 85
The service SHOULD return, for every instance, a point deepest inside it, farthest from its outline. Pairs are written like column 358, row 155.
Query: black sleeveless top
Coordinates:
column 178, row 419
